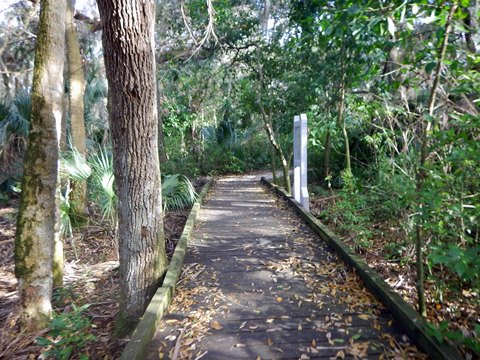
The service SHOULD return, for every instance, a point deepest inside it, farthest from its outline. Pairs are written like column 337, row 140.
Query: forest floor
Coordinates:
column 90, row 277
column 258, row 283
column 388, row 251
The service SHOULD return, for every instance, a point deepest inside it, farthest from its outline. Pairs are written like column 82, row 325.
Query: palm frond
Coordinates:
column 75, row 166
column 65, row 219
column 103, row 190
column 177, row 192
column 18, row 119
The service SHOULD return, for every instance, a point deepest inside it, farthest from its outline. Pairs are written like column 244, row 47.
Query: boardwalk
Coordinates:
column 259, row 284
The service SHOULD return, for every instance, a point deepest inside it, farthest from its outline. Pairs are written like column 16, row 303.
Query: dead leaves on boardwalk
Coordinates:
column 197, row 323
column 341, row 306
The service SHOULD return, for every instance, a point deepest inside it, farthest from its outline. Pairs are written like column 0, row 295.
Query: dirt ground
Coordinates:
column 90, row 277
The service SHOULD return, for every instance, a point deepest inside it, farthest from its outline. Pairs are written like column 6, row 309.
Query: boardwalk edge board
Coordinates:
column 413, row 324
column 142, row 336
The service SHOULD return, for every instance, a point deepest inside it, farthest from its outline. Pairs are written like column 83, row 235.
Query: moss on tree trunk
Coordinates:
column 76, row 92
column 37, row 224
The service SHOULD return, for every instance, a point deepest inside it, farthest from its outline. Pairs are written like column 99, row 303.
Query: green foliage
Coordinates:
column 14, row 125
column 457, row 337
column 351, row 217
column 66, row 228
column 177, row 192
column 222, row 149
column 75, row 166
column 394, row 250
column 63, row 295
column 97, row 170
column 15, row 118
column 68, row 335
column 102, row 189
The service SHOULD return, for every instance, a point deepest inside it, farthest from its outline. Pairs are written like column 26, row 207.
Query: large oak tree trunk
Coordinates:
column 130, row 65
column 37, row 226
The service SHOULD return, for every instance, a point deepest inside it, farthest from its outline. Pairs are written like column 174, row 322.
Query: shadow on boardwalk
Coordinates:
column 259, row 284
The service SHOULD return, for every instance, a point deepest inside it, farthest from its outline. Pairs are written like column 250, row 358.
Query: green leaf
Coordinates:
column 429, row 67
column 43, row 342
column 460, row 268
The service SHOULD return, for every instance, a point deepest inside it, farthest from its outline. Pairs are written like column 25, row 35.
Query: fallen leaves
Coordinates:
column 309, row 280
column 329, row 338
column 216, row 325
column 358, row 349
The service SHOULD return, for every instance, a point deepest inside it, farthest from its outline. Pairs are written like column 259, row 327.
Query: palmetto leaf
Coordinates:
column 18, row 119
column 75, row 166
column 177, row 192
column 103, row 190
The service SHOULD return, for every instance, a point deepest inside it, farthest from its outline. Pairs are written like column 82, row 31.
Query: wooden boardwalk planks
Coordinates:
column 258, row 284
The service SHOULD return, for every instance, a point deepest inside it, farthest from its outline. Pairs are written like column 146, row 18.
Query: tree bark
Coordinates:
column 37, row 225
column 161, row 143
column 130, row 66
column 76, row 92
column 326, row 156
column 471, row 23
column 273, row 164
column 341, row 110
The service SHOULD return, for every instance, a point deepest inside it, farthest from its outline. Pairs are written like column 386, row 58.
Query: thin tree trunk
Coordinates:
column 130, row 66
column 37, row 229
column 326, row 155
column 341, row 111
column 273, row 164
column 58, row 255
column 161, row 143
column 426, row 128
column 77, row 91
column 267, row 123
column 471, row 24
column 267, row 118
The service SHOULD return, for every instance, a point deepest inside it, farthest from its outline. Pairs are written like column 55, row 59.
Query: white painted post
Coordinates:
column 296, row 157
column 300, row 136
column 303, row 162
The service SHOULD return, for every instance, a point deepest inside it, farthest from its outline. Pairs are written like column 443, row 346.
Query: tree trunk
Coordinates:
column 161, row 143
column 471, row 24
column 130, row 66
column 37, row 226
column 341, row 111
column 77, row 91
column 426, row 128
column 267, row 118
column 267, row 123
column 273, row 165
column 326, row 156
